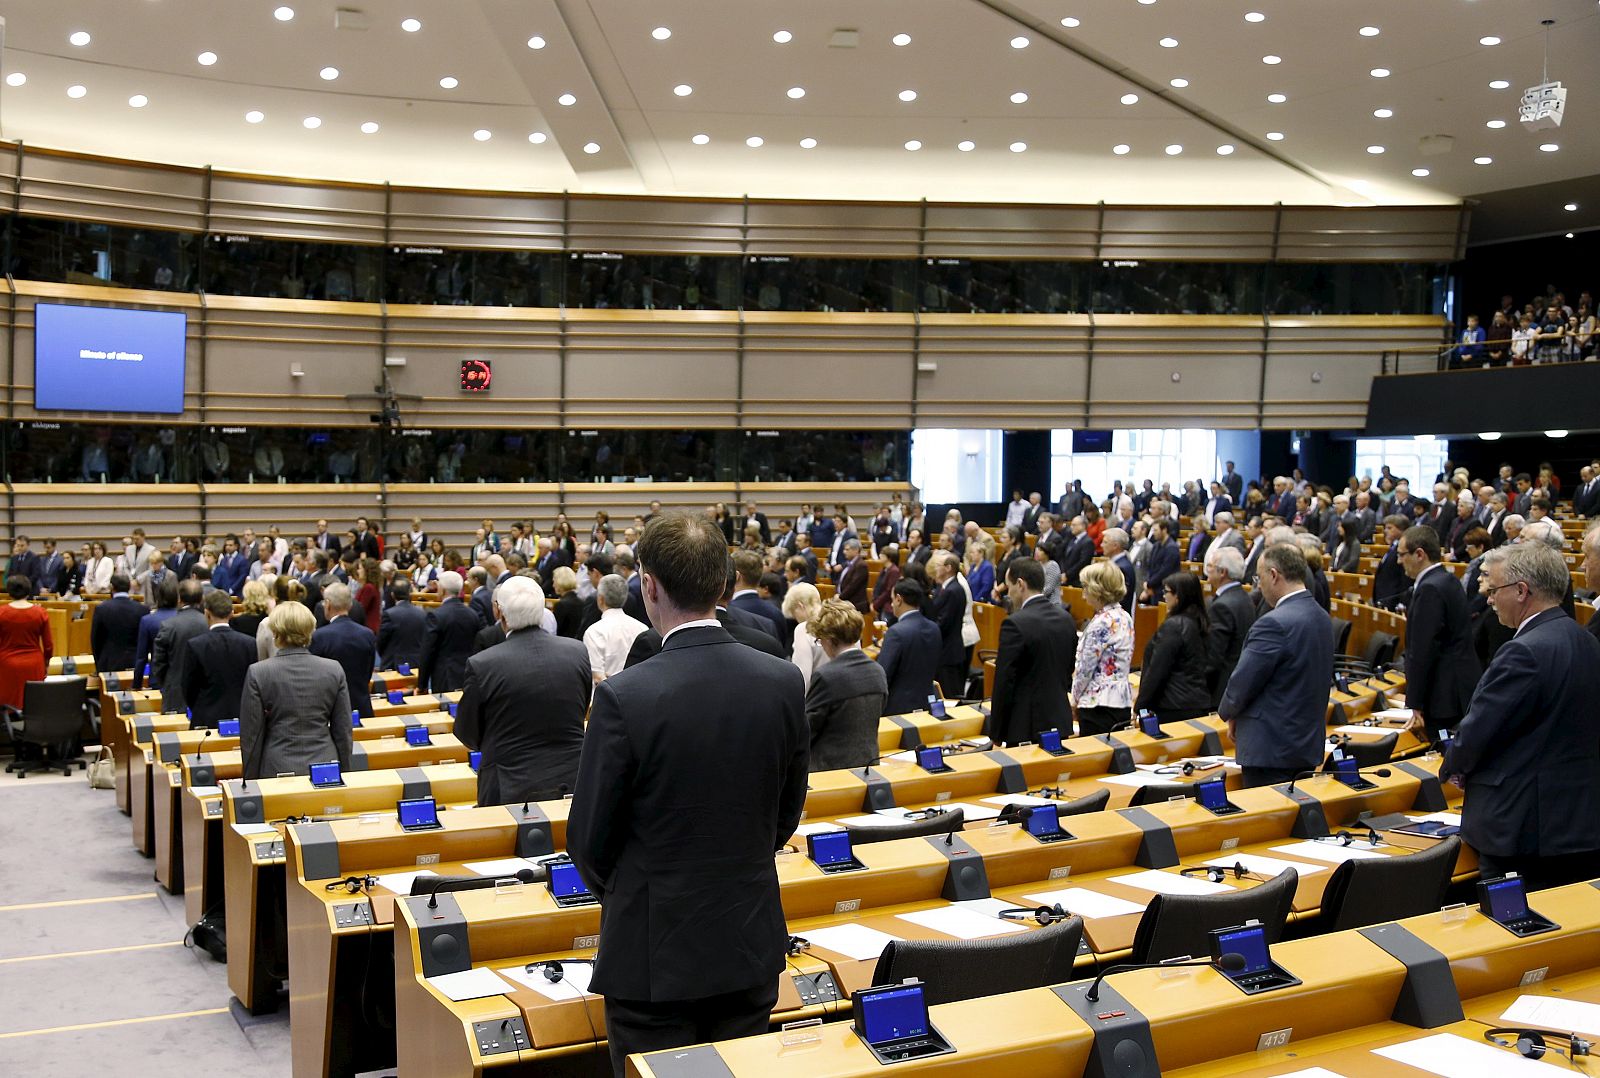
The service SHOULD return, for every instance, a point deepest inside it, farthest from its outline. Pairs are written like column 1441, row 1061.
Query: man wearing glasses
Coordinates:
column 1528, row 751
column 1441, row 667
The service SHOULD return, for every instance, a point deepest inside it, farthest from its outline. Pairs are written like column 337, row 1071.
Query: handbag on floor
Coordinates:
column 101, row 772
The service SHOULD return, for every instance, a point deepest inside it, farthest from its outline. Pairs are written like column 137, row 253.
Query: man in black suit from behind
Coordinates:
column 747, row 569
column 693, row 774
column 910, row 651
column 1441, row 667
column 1528, row 749
column 448, row 645
column 1591, row 572
column 524, row 703
column 1231, row 613
column 114, row 632
column 402, row 629
column 1033, row 670
column 216, row 665
column 169, row 654
column 348, row 643
column 746, row 628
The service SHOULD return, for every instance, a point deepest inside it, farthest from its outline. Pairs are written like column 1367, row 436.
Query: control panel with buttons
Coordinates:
column 270, row 851
column 816, row 988
column 500, row 1037
column 352, row 915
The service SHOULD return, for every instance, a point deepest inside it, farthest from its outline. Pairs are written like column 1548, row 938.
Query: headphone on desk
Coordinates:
column 353, row 884
column 1188, row 767
column 1531, row 1043
column 928, row 813
column 556, row 969
column 1044, row 915
column 1345, row 838
column 1219, row 873
column 1053, row 793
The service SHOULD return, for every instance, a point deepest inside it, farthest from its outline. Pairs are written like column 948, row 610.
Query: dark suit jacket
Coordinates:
column 1030, row 519
column 685, row 791
column 294, row 712
column 1033, row 672
column 26, row 564
column 487, row 637
column 447, row 646
column 1076, row 558
column 482, row 604
column 648, row 643
column 1234, row 483
column 751, row 603
column 1390, row 585
column 367, row 545
column 1231, row 614
column 114, row 632
column 569, row 613
column 909, row 656
column 168, row 656
column 523, row 706
column 213, row 674
column 1164, row 561
column 1129, row 578
column 1346, row 558
column 844, row 702
column 949, row 608
column 1529, row 746
column 1441, row 668
column 401, row 633
column 760, row 520
column 852, row 585
column 353, row 646
column 1173, row 673
column 1441, row 518
column 1278, row 694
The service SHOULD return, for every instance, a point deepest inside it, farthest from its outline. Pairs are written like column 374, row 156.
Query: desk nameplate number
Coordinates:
column 427, row 859
column 941, row 797
column 1230, row 843
column 848, row 905
column 1277, row 1038
column 584, row 943
column 1534, row 976
column 1061, row 873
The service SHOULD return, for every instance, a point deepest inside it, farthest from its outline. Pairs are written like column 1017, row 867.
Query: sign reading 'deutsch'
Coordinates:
column 108, row 359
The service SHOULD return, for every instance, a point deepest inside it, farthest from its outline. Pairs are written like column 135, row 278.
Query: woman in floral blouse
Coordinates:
column 1101, row 697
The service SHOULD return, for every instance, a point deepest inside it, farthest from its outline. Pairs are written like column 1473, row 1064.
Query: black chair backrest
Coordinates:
column 1341, row 635
column 52, row 711
column 1372, row 753
column 965, row 969
column 1372, row 891
column 1094, row 802
column 1161, row 792
column 942, row 824
column 1175, row 925
column 1380, row 649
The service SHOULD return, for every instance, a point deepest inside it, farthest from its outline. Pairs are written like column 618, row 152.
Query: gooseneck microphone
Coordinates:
column 1231, row 962
column 1381, row 772
column 199, row 748
column 432, row 885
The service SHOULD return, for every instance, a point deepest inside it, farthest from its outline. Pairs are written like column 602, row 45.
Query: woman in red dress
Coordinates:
column 25, row 646
column 367, row 596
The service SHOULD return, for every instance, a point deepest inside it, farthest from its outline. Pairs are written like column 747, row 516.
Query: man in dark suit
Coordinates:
column 1231, row 614
column 50, row 568
column 1586, row 499
column 752, row 516
column 24, row 562
column 787, row 540
column 530, row 753
column 910, row 651
column 217, row 663
column 1232, row 482
column 1071, row 503
column 1030, row 515
column 947, row 605
column 1053, row 537
column 550, row 558
column 1164, row 558
column 851, row 582
column 1078, row 554
column 1277, row 698
column 747, row 569
column 689, row 954
column 917, row 552
column 484, row 579
column 326, row 540
column 402, row 629
column 114, row 632
column 1033, row 670
column 836, row 549
column 1219, row 502
column 1441, row 667
column 366, row 541
column 1366, row 516
column 1391, row 586
column 1522, row 500
column 1441, row 515
column 648, row 643
column 448, row 645
column 348, row 643
column 168, row 655
column 1528, row 749
column 179, row 560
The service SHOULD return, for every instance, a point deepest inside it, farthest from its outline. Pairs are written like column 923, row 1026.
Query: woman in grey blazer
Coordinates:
column 295, row 710
column 847, row 695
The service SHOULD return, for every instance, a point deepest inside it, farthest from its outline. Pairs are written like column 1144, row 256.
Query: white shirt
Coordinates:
column 699, row 624
column 1015, row 512
column 1425, row 572
column 608, row 641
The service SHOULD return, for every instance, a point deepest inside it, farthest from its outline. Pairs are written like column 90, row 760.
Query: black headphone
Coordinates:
column 1186, row 768
column 1531, row 1042
column 927, row 813
column 1219, row 873
column 1045, row 915
column 553, row 971
column 1345, row 838
column 354, row 884
column 1054, row 793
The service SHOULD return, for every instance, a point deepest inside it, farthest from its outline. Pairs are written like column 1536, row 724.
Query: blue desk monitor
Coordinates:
column 1050, row 741
column 228, row 728
column 326, row 774
column 418, row 735
column 475, row 759
column 418, row 814
column 931, row 758
column 1044, row 824
column 935, row 707
column 831, row 852
column 566, row 886
column 893, row 1022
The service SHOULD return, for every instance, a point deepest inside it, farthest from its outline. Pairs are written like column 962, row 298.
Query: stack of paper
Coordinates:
column 1169, row 883
column 504, row 867
column 473, row 983
column 963, row 924
column 1567, row 1015
column 1263, row 866
column 852, row 941
column 1086, row 903
column 1332, row 852
column 400, row 882
column 1450, row 1056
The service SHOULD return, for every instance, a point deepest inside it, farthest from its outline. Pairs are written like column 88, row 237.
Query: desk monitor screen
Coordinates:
column 1050, row 740
column 418, row 735
column 1249, row 942
column 892, row 1014
column 355, row 719
column 830, row 848
column 1506, row 898
column 396, row 696
column 1043, row 822
column 228, row 728
column 474, row 759
column 1150, row 724
column 1346, row 769
column 326, row 774
column 931, row 758
column 565, row 881
column 935, row 706
column 1212, row 794
column 418, row 813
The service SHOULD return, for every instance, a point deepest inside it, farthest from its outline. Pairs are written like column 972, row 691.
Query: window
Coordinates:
column 950, row 466
column 1161, row 456
column 1418, row 459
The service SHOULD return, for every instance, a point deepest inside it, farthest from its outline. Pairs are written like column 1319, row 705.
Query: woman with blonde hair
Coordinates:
column 295, row 709
column 1102, row 697
column 284, row 589
column 846, row 697
column 256, row 607
column 800, row 605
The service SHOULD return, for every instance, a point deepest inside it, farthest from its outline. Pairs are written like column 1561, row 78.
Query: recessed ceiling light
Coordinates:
column 207, row 59
column 1495, row 125
column 1489, row 435
column 1174, row 150
column 1271, row 60
column 537, row 138
column 796, row 92
column 254, row 116
column 1020, row 42
column 1379, row 72
column 1483, row 160
column 1254, row 16
column 1549, row 147
column 1019, row 147
column 369, row 128
column 79, row 38
column 683, row 89
column 329, row 74
column 449, row 82
column 1383, row 114
column 1180, row 83
column 1369, row 31
column 311, row 123
column 591, row 148
column 1277, row 99
column 908, row 95
column 1499, row 84
column 661, row 33
column 1069, row 22
column 483, row 134
column 1274, row 136
column 1169, row 43
column 914, row 144
column 1374, row 149
column 1147, row 2
column 411, row 26
column 1121, row 148
column 808, row 144
column 783, row 37
column 138, row 101
column 536, row 42
column 901, row 39
column 16, row 78
column 567, row 100
column 1490, row 40
column 1224, row 150
column 755, row 142
column 966, row 145
column 283, row 14
column 1570, row 207
column 1129, row 99
column 1019, row 98
column 77, row 91
column 700, row 140
column 1419, row 172
column 1569, row 235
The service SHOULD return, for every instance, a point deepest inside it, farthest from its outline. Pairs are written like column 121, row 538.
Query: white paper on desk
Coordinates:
column 1169, row 883
column 1086, row 903
column 872, row 820
column 501, row 868
column 1567, row 1015
column 469, row 984
column 989, row 907
column 1451, row 818
column 1140, row 778
column 206, row 791
column 960, row 923
column 853, row 941
column 1330, row 851
column 907, row 757
column 1018, row 799
column 574, row 982
column 1393, row 714
column 968, row 811
column 1313, row 1072
column 248, row 829
column 1451, row 1056
column 1263, row 866
column 1357, row 731
column 400, row 882
column 815, row 828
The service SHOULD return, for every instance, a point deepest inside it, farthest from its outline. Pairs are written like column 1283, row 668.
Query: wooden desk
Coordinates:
column 134, row 774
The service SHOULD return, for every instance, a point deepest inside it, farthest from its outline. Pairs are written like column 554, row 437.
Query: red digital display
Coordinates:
column 475, row 375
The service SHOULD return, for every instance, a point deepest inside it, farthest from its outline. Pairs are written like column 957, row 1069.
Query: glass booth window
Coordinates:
column 42, row 451
column 1136, row 287
column 1418, row 459
column 663, row 456
column 1161, row 456
column 83, row 252
column 1309, row 288
column 601, row 279
column 950, row 465
column 486, row 278
column 423, row 455
column 824, row 456
column 963, row 286
column 253, row 454
column 785, row 283
column 293, row 269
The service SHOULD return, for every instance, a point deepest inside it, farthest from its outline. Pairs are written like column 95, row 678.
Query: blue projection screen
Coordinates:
column 107, row 359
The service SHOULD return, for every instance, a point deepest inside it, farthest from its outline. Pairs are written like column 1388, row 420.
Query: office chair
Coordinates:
column 1370, row 892
column 1380, row 650
column 50, row 721
column 965, row 969
column 1372, row 753
column 1175, row 925
column 1094, row 802
column 1341, row 636
column 1161, row 793
column 941, row 824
